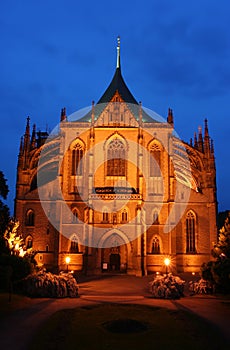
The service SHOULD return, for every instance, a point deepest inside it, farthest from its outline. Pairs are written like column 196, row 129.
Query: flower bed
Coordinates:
column 167, row 287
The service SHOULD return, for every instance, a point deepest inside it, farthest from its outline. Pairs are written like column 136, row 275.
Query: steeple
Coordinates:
column 27, row 136
column 170, row 116
column 33, row 138
column 206, row 138
column 63, row 114
column 118, row 52
column 200, row 140
column 117, row 91
column 195, row 141
column 117, row 84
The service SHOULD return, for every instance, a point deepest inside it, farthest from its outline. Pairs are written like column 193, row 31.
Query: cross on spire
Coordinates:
column 118, row 51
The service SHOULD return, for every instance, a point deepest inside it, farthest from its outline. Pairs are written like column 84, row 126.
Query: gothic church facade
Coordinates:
column 116, row 190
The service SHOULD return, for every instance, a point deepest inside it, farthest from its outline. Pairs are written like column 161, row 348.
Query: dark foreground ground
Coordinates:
column 144, row 322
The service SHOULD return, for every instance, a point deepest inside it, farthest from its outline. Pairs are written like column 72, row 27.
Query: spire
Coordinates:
column 27, row 126
column 93, row 113
column 118, row 52
column 117, row 84
column 63, row 114
column 206, row 134
column 206, row 138
column 33, row 138
column 27, row 136
column 212, row 147
column 26, row 145
column 20, row 155
column 140, row 113
column 200, row 140
column 170, row 116
column 117, row 89
column 21, row 147
column 195, row 141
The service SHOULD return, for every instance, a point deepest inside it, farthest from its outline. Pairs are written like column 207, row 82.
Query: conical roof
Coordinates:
column 119, row 86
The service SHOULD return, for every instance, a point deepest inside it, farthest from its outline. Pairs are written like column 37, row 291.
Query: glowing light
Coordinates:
column 167, row 261
column 193, row 273
column 67, row 260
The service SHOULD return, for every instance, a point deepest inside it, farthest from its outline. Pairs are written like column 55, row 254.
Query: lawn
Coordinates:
column 113, row 326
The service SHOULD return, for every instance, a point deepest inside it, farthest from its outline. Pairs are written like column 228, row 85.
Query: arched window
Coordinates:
column 105, row 216
column 124, row 216
column 47, row 248
column 155, row 160
column 77, row 154
column 190, row 233
column 155, row 217
column 155, row 246
column 116, row 158
column 75, row 216
column 74, row 245
column 30, row 218
column 29, row 242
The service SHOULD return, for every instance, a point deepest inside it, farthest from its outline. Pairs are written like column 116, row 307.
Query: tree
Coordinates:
column 15, row 241
column 222, row 248
column 4, row 212
column 18, row 262
column 218, row 271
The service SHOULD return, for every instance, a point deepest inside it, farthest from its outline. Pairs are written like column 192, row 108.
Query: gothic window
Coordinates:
column 30, row 218
column 29, row 242
column 190, row 233
column 77, row 154
column 155, row 217
column 74, row 245
column 105, row 216
column 75, row 216
column 124, row 216
column 155, row 161
column 155, row 246
column 116, row 158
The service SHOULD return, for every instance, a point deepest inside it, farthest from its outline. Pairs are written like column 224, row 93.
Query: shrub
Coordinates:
column 46, row 284
column 167, row 287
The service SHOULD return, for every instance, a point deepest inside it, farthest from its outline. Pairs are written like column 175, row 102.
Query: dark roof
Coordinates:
column 117, row 85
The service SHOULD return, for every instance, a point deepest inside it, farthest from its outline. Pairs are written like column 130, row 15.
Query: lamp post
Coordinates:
column 67, row 260
column 167, row 263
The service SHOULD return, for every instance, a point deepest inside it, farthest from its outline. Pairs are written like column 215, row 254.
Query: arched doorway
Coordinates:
column 114, row 262
column 114, row 255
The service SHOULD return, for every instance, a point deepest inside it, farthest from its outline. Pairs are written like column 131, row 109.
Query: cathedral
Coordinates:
column 113, row 189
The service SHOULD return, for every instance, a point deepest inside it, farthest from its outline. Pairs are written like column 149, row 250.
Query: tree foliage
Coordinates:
column 218, row 271
column 4, row 212
column 18, row 262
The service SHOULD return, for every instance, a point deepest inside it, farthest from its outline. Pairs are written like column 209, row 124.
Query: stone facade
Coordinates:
column 116, row 190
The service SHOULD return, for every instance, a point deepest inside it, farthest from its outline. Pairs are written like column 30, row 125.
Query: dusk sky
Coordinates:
column 59, row 54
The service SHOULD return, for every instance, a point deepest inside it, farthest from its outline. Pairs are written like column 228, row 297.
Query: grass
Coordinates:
column 84, row 328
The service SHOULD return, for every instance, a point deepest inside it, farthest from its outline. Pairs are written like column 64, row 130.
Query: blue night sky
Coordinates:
column 59, row 54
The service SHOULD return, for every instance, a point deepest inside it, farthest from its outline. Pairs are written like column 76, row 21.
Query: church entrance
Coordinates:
column 114, row 259
column 114, row 262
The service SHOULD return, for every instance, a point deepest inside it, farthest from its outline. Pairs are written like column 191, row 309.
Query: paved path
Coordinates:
column 19, row 327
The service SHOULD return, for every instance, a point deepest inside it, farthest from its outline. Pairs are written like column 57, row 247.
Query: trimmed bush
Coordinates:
column 200, row 287
column 167, row 287
column 47, row 285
